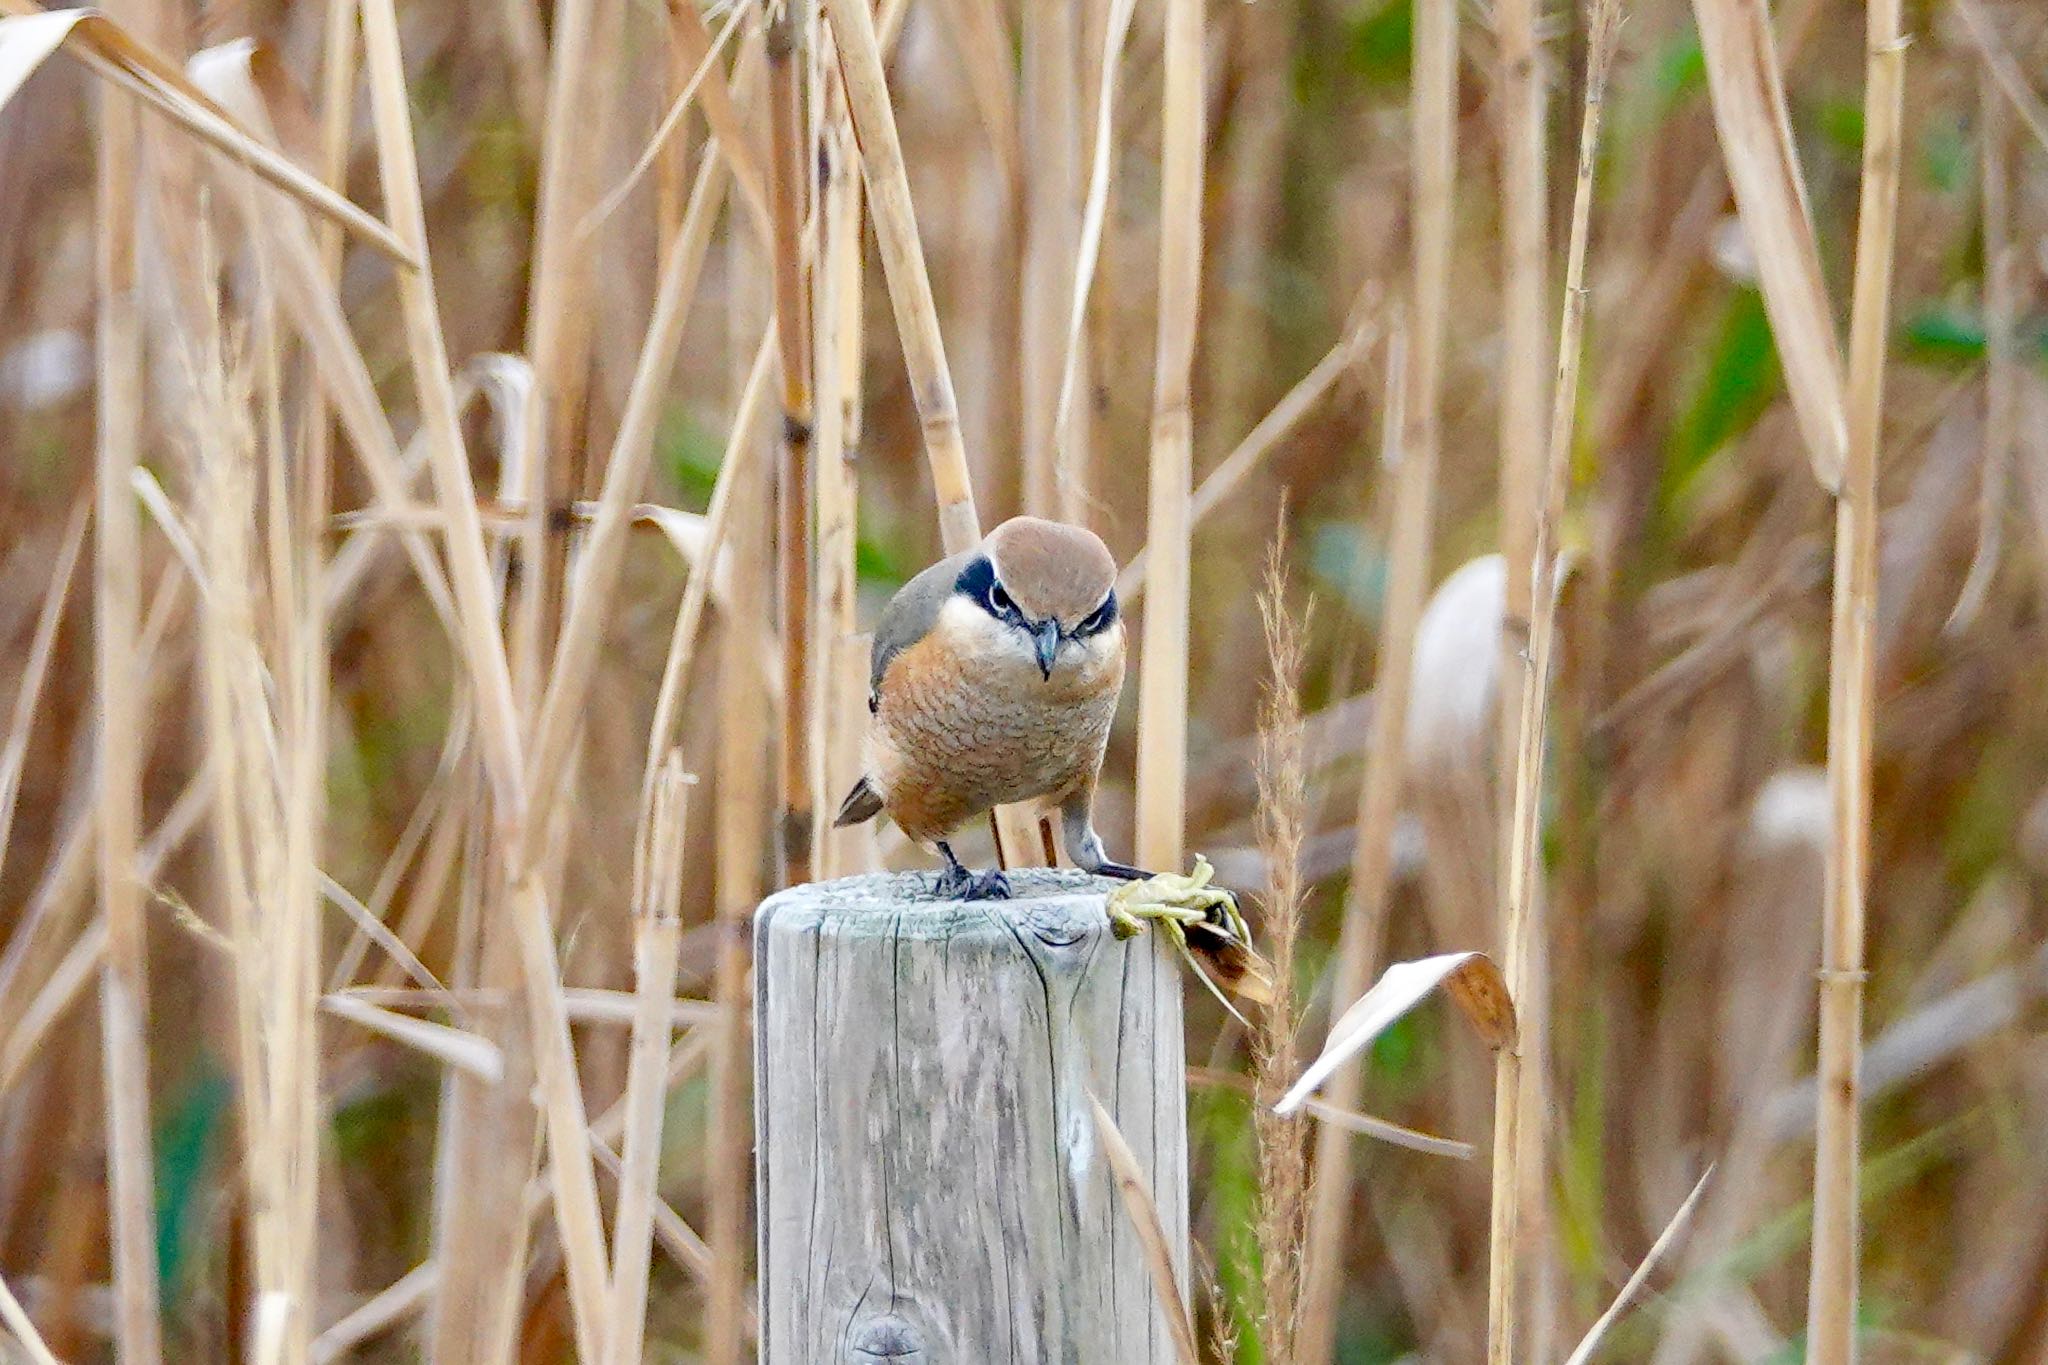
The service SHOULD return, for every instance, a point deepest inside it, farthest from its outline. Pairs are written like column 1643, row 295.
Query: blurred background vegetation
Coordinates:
column 1686, row 817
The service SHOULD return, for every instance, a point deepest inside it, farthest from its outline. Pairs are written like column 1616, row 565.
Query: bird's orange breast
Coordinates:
column 957, row 732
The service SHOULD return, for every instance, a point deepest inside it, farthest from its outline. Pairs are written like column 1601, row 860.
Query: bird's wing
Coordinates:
column 911, row 613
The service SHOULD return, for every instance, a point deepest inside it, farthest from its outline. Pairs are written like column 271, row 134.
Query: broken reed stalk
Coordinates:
column 792, row 161
column 1412, row 466
column 1163, row 659
column 745, row 794
column 1832, row 1290
column 657, row 943
column 124, row 988
column 1518, row 1156
column 1410, row 450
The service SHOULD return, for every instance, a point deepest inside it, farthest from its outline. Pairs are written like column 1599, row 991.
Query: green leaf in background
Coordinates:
column 1379, row 41
column 183, row 1141
column 1678, row 71
column 1220, row 1124
column 1955, row 337
column 1739, row 381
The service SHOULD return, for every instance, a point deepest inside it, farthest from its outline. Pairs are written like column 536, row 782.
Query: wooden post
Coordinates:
column 931, row 1190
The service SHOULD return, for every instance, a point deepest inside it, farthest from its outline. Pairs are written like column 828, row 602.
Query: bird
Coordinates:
column 993, row 679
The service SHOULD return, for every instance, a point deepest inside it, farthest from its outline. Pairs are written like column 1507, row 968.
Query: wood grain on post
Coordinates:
column 931, row 1190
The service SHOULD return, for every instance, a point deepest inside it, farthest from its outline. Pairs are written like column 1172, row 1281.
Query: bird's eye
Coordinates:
column 999, row 601
column 1098, row 620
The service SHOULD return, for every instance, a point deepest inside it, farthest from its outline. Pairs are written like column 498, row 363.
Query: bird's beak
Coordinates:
column 1047, row 637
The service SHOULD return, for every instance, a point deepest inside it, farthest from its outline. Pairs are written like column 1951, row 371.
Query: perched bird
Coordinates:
column 994, row 678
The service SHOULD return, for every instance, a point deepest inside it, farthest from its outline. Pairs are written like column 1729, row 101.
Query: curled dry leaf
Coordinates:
column 1472, row 980
column 29, row 36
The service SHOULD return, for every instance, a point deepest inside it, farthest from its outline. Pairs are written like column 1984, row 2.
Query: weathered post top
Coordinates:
column 931, row 1187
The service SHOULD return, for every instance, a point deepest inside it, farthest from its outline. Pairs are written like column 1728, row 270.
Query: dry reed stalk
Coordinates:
column 1524, row 206
column 836, row 308
column 903, row 268
column 1282, row 772
column 1524, row 209
column 35, row 669
column 124, row 982
column 1144, row 1215
column 1050, row 110
column 1747, row 85
column 657, row 940
column 740, row 828
column 1262, row 440
column 1071, row 457
column 792, row 167
column 1163, row 658
column 2001, row 371
column 1582, row 1354
column 1832, row 1290
column 558, row 283
column 1519, row 1155
column 1408, row 452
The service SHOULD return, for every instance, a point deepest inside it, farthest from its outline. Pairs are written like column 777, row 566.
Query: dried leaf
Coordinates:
column 29, row 35
column 1470, row 979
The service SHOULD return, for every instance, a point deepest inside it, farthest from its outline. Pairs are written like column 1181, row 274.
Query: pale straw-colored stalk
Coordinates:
column 745, row 795
column 1163, row 655
column 1832, row 1289
column 1524, row 242
column 2001, row 368
column 792, row 169
column 124, row 990
column 35, row 670
column 1519, row 1156
column 657, row 941
column 839, row 709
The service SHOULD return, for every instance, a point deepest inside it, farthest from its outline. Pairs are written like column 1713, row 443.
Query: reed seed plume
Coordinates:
column 1283, row 819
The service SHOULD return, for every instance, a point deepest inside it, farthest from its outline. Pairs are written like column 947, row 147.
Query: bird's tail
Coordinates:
column 862, row 803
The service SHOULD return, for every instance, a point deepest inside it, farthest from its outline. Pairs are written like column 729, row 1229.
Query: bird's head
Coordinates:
column 1050, row 591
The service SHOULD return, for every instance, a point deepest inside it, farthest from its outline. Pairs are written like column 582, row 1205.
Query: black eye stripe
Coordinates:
column 1100, row 619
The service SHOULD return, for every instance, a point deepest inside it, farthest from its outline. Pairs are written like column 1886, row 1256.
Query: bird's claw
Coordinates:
column 956, row 883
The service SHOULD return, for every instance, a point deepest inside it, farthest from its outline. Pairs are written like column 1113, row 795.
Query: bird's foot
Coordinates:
column 956, row 883
column 991, row 885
